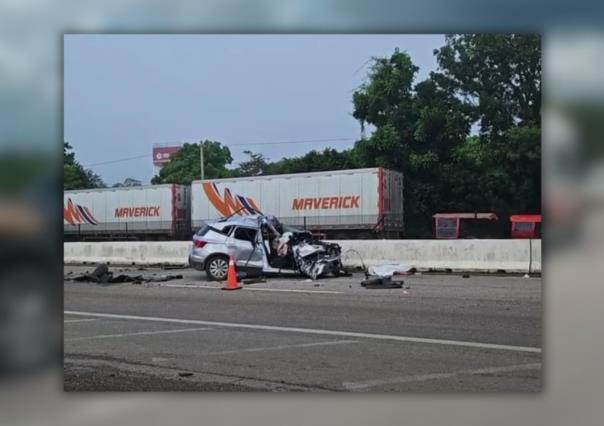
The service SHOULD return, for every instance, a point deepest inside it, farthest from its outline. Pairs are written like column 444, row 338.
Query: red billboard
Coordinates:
column 161, row 154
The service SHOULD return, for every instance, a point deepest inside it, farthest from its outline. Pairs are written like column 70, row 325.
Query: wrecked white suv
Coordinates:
column 261, row 245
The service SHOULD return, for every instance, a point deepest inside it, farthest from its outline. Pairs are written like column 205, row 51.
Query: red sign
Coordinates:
column 161, row 154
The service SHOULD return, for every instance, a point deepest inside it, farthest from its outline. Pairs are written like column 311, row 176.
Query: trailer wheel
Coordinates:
column 217, row 268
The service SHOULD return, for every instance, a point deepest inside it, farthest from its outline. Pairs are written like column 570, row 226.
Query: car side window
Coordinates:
column 227, row 230
column 245, row 234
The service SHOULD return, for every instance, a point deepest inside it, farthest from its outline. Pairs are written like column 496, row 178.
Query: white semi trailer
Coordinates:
column 356, row 203
column 140, row 212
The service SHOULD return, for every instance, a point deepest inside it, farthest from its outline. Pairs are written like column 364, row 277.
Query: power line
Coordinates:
column 117, row 161
column 363, row 66
column 288, row 142
column 229, row 145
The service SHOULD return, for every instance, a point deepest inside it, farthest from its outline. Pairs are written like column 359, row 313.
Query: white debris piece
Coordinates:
column 388, row 270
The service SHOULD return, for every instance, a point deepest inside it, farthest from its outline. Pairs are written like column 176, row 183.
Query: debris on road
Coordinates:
column 380, row 282
column 386, row 276
column 102, row 275
column 389, row 269
column 167, row 267
column 253, row 280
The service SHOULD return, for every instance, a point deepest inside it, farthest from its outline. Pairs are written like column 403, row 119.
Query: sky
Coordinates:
column 125, row 93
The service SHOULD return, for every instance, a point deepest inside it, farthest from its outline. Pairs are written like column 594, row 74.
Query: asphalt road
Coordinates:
column 443, row 334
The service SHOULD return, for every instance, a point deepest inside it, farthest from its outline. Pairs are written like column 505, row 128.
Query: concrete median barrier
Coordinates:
column 456, row 255
column 128, row 252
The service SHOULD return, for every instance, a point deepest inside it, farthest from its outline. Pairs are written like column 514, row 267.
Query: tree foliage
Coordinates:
column 128, row 182
column 499, row 79
column 499, row 75
column 256, row 165
column 313, row 161
column 75, row 176
column 185, row 165
column 416, row 129
column 424, row 129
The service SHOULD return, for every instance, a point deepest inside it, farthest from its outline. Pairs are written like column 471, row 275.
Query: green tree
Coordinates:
column 185, row 165
column 75, row 176
column 416, row 128
column 313, row 161
column 387, row 97
column 493, row 81
column 255, row 166
column 498, row 76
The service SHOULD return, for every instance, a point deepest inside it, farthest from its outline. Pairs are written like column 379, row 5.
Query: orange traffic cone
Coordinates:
column 232, row 279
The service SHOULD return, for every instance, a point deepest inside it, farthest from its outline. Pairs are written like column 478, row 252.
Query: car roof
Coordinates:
column 251, row 220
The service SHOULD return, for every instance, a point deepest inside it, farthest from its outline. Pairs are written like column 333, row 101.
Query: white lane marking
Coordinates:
column 439, row 376
column 254, row 289
column 141, row 333
column 81, row 320
column 314, row 331
column 276, row 348
column 294, row 290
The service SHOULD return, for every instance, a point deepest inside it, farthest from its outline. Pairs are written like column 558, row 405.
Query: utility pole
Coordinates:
column 201, row 158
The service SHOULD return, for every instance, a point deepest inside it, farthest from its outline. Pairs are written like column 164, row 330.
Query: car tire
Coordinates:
column 217, row 268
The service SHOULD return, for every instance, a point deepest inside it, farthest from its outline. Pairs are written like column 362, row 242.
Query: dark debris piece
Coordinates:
column 102, row 275
column 253, row 280
column 381, row 283
column 171, row 267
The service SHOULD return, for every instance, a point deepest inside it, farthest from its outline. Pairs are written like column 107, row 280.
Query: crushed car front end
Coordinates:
column 300, row 250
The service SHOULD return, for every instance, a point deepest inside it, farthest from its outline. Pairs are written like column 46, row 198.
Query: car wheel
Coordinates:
column 217, row 268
